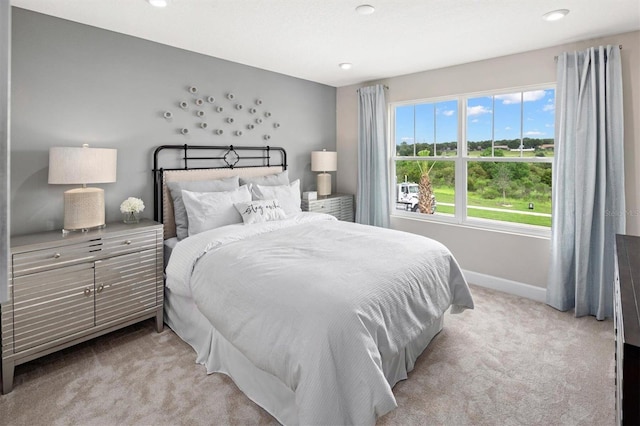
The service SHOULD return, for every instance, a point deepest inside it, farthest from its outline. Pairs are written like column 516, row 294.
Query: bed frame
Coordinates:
column 201, row 162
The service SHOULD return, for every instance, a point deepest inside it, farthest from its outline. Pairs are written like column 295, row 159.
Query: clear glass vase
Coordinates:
column 130, row 217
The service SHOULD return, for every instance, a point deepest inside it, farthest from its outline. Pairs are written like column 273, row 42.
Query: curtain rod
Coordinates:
column 555, row 58
column 384, row 85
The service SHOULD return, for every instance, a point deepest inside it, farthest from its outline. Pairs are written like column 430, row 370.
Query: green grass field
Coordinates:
column 446, row 195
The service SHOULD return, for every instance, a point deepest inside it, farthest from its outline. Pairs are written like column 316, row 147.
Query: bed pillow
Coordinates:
column 268, row 180
column 179, row 212
column 209, row 210
column 287, row 195
column 260, row 211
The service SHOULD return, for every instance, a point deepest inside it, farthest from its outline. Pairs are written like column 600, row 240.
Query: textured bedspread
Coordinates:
column 320, row 303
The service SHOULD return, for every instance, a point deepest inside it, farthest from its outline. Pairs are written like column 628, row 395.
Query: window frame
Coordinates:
column 461, row 160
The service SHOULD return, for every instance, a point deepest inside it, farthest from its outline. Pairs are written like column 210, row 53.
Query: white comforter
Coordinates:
column 320, row 304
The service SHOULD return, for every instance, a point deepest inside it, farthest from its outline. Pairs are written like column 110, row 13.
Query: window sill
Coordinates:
column 477, row 224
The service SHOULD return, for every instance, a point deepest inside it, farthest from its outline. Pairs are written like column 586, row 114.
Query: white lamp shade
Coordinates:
column 324, row 161
column 71, row 165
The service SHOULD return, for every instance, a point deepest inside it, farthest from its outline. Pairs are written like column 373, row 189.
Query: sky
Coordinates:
column 504, row 110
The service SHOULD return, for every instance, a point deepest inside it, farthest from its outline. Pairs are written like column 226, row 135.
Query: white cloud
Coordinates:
column 514, row 98
column 507, row 128
column 549, row 107
column 534, row 133
column 475, row 120
column 477, row 110
column 448, row 112
column 549, row 126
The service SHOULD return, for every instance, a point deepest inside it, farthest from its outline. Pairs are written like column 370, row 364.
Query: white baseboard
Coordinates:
column 507, row 286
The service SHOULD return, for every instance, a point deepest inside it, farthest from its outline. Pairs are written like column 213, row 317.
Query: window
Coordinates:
column 426, row 136
column 484, row 160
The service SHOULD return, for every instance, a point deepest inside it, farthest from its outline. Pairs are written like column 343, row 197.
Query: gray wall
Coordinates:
column 5, row 84
column 75, row 84
column 511, row 256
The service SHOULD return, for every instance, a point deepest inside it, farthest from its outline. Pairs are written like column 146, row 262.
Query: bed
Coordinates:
column 313, row 318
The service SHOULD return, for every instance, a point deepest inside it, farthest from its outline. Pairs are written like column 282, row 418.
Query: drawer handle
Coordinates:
column 128, row 242
column 100, row 288
column 57, row 255
column 87, row 292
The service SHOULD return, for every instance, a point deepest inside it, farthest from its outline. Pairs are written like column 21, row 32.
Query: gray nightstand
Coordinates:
column 64, row 290
column 338, row 205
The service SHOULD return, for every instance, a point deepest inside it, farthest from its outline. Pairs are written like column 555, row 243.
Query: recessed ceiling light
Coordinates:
column 345, row 65
column 555, row 15
column 158, row 3
column 365, row 9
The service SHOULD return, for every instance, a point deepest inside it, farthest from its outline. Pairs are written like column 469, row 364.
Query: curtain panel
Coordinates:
column 5, row 106
column 588, row 181
column 372, row 197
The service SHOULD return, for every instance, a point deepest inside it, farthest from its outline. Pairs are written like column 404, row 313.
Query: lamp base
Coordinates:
column 323, row 183
column 83, row 209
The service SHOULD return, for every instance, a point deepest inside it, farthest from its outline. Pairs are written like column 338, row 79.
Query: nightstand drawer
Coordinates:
column 338, row 205
column 129, row 243
column 55, row 257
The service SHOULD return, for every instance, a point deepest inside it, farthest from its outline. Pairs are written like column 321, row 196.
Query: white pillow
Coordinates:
column 281, row 178
column 179, row 212
column 208, row 210
column 260, row 211
column 287, row 195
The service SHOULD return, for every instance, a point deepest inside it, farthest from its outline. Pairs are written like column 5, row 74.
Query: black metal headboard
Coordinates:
column 222, row 157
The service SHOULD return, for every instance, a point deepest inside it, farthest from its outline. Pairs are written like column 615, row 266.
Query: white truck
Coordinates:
column 407, row 194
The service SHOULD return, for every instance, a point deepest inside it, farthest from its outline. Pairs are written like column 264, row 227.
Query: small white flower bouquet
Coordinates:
column 131, row 208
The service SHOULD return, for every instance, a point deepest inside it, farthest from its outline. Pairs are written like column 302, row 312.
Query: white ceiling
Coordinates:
column 309, row 38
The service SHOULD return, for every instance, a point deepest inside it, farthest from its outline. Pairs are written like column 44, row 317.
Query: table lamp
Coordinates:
column 324, row 161
column 83, row 207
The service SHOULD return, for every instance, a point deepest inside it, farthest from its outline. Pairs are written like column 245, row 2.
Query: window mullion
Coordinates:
column 461, row 165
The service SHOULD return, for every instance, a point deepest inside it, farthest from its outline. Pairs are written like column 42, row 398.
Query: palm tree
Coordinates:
column 425, row 191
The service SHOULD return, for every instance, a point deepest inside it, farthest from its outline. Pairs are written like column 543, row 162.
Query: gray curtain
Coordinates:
column 372, row 197
column 588, row 181
column 5, row 83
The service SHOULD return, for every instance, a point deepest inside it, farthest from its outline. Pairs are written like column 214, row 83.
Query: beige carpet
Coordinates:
column 511, row 361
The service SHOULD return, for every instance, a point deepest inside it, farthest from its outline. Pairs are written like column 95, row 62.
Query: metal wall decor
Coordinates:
column 236, row 118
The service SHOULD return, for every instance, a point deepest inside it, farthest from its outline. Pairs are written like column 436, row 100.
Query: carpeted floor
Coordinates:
column 511, row 361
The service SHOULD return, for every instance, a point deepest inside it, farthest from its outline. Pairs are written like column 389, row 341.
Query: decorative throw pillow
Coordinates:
column 209, row 210
column 179, row 212
column 287, row 195
column 260, row 211
column 268, row 180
